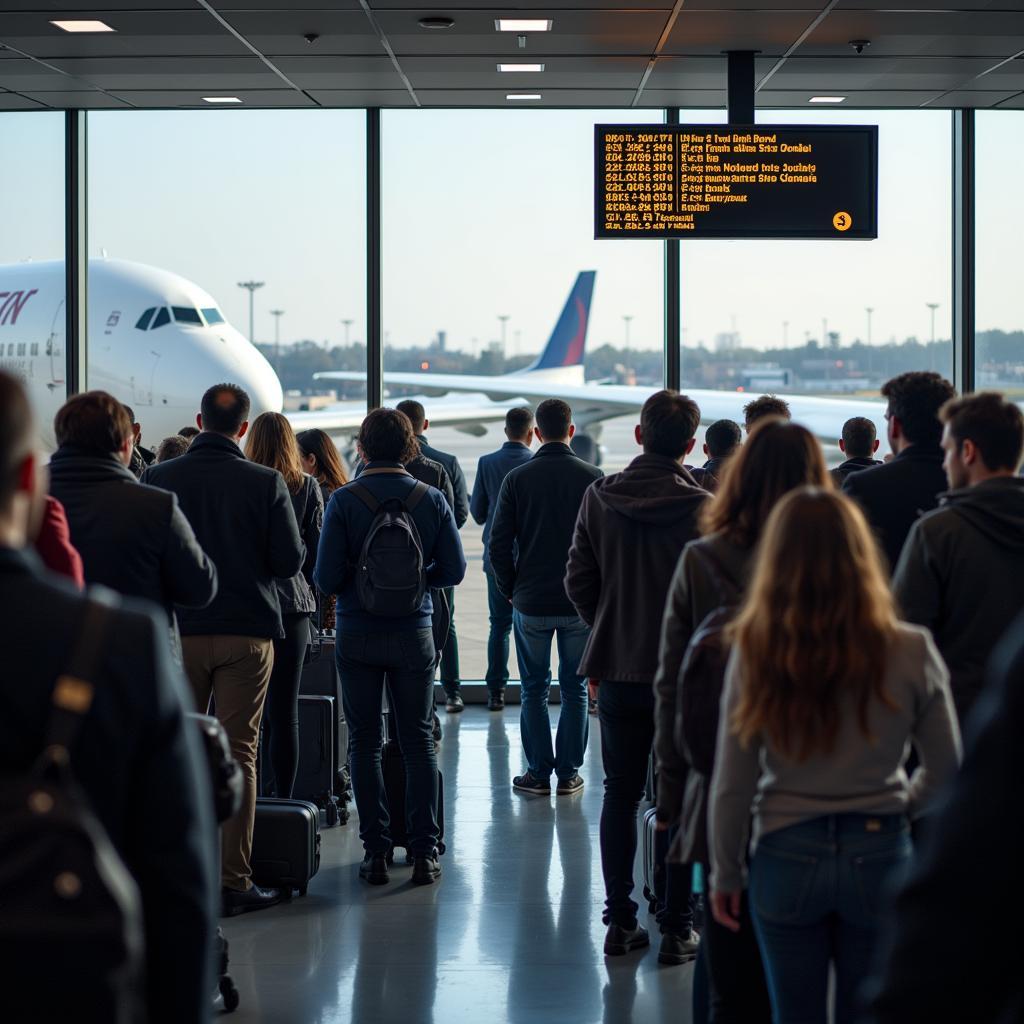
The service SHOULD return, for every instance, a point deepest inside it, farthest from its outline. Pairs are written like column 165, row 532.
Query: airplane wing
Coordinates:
column 592, row 403
column 466, row 413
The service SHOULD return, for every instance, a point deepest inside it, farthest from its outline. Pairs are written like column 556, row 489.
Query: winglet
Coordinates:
column 568, row 340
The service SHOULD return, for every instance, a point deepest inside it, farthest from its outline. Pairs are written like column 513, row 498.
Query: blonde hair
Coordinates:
column 814, row 627
column 272, row 443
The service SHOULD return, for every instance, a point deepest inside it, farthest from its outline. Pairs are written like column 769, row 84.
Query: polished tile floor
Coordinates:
column 512, row 932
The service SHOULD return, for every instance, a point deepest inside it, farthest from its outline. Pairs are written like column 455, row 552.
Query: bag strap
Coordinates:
column 364, row 495
column 416, row 495
column 75, row 687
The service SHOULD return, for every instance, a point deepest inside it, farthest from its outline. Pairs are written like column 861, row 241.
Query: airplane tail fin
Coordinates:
column 568, row 340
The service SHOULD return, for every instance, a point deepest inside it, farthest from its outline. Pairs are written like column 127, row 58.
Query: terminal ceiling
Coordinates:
column 600, row 53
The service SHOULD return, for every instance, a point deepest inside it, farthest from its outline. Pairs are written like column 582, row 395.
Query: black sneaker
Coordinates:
column 527, row 783
column 374, row 869
column 619, row 941
column 573, row 784
column 454, row 704
column 235, row 902
column 496, row 700
column 426, row 870
column 678, row 947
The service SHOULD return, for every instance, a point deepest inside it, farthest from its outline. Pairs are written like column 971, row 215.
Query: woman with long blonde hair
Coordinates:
column 271, row 442
column 825, row 691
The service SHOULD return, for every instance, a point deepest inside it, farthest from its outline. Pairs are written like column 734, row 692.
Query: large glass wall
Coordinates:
column 211, row 232
column 999, row 211
column 32, row 256
column 832, row 318
column 487, row 235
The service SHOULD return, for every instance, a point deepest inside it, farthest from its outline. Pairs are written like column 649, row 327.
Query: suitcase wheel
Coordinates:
column 228, row 993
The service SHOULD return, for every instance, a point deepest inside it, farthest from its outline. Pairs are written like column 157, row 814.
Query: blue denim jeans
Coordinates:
column 818, row 893
column 499, row 611
column 533, row 649
column 406, row 661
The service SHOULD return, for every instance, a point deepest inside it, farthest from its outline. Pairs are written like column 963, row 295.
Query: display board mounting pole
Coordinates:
column 374, row 346
column 673, row 313
column 963, row 251
column 76, row 261
column 741, row 86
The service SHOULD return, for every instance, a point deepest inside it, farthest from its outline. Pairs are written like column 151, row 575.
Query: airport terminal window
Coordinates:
column 999, row 211
column 162, row 317
column 143, row 321
column 185, row 315
column 487, row 221
column 832, row 318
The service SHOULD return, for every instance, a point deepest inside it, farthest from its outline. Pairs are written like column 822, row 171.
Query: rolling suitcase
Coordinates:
column 285, row 844
column 318, row 769
column 652, row 881
column 320, row 679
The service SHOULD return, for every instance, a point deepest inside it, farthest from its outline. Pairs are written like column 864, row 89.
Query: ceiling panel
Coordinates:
column 975, row 98
column 225, row 7
column 932, row 33
column 14, row 101
column 1014, row 103
column 81, row 8
column 341, row 72
column 697, row 72
column 867, row 98
column 162, row 73
column 925, row 5
column 362, row 97
column 711, row 32
column 700, row 99
column 185, row 98
column 277, row 32
column 835, row 73
column 574, row 33
column 529, row 5
column 551, row 98
column 559, row 73
column 84, row 100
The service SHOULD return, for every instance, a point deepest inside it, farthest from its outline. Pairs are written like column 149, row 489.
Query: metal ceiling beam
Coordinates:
column 777, row 66
column 388, row 49
column 660, row 45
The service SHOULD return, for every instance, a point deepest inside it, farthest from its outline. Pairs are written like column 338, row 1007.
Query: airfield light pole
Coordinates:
column 931, row 348
column 250, row 287
column 504, row 318
column 785, row 334
column 347, row 324
column 627, row 320
column 869, row 310
column 277, row 314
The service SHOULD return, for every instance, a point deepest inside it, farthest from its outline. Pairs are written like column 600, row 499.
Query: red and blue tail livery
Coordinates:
column 568, row 341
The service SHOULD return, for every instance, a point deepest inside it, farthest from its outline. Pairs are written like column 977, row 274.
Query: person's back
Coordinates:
column 824, row 692
column 242, row 515
column 859, row 444
column 136, row 757
column 132, row 538
column 962, row 569
column 894, row 495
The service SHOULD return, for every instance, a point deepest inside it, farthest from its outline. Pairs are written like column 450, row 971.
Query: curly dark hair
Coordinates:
column 915, row 399
column 766, row 405
column 386, row 436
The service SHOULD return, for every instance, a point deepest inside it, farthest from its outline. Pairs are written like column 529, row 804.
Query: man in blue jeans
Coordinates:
column 400, row 649
column 491, row 471
column 528, row 547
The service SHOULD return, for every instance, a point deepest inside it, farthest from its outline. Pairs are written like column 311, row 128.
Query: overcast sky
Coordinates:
column 491, row 212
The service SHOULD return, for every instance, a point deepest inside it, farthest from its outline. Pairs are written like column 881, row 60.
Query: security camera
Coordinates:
column 860, row 45
column 311, row 37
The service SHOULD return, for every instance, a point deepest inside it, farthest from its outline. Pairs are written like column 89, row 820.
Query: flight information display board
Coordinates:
column 727, row 181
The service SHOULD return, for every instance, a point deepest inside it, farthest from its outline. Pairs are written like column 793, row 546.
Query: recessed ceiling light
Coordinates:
column 436, row 23
column 523, row 96
column 221, row 99
column 83, row 26
column 520, row 67
column 826, row 99
column 523, row 24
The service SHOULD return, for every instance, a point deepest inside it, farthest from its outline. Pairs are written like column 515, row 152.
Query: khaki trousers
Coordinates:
column 235, row 671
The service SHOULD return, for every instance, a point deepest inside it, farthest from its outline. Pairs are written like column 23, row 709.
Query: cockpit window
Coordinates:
column 213, row 315
column 143, row 322
column 162, row 317
column 187, row 315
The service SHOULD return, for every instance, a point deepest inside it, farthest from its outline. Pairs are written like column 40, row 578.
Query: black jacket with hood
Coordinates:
column 631, row 530
column 962, row 575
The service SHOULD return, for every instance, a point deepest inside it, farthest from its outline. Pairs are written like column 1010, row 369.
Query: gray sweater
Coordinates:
column 859, row 776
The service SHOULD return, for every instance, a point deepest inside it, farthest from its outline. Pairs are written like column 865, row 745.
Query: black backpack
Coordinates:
column 391, row 577
column 71, row 933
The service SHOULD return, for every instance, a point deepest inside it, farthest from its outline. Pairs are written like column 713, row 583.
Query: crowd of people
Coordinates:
column 783, row 658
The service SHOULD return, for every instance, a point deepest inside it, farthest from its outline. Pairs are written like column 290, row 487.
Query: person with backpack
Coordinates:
column 708, row 584
column 825, row 691
column 271, row 442
column 92, row 675
column 387, row 540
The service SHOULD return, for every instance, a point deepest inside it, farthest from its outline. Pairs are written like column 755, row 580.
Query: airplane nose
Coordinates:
column 264, row 388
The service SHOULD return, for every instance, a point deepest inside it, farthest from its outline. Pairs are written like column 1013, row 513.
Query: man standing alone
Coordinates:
column 537, row 510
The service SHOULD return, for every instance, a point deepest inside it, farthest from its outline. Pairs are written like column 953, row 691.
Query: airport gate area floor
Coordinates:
column 512, row 932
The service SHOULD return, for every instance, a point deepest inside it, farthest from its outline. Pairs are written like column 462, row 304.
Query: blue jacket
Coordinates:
column 455, row 474
column 346, row 524
column 491, row 471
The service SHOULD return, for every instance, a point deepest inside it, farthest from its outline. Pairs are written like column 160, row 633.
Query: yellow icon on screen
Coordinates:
column 842, row 221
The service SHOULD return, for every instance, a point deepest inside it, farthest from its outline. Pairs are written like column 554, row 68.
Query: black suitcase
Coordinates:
column 652, row 876
column 318, row 763
column 393, row 769
column 285, row 844
column 320, row 679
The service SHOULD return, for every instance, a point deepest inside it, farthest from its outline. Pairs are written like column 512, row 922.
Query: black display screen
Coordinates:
column 735, row 181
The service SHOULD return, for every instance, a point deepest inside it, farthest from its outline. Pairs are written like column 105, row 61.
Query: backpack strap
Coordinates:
column 416, row 495
column 74, row 690
column 364, row 495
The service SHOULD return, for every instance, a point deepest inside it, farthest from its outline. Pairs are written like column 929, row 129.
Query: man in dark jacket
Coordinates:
column 962, row 569
column 132, row 538
column 371, row 646
column 537, row 508
column 631, row 530
column 136, row 757
column 450, row 677
column 721, row 440
column 977, row 829
column 859, row 444
column 242, row 516
column 894, row 495
column 491, row 471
